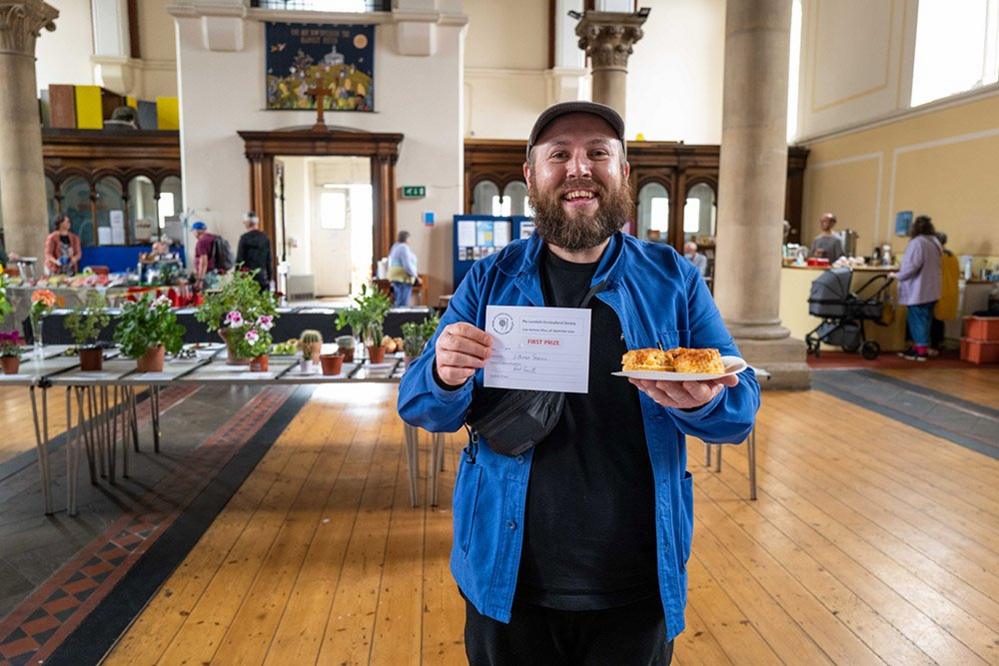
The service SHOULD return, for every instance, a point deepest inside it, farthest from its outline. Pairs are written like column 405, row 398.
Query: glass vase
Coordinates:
column 36, row 335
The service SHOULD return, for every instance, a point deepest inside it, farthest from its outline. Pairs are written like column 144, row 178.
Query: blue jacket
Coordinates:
column 659, row 297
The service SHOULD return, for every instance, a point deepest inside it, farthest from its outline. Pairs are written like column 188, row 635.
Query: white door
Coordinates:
column 330, row 240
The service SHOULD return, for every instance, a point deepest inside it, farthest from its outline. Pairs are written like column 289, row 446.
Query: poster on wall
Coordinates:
column 903, row 220
column 336, row 60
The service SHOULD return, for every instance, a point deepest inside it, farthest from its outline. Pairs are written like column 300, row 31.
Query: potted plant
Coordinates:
column 85, row 324
column 252, row 339
column 345, row 346
column 241, row 294
column 415, row 336
column 366, row 318
column 311, row 345
column 146, row 330
column 10, row 352
column 5, row 307
column 42, row 302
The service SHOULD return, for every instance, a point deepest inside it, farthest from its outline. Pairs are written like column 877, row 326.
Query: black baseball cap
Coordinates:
column 562, row 108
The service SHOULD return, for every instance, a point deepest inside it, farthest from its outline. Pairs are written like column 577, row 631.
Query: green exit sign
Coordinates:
column 414, row 191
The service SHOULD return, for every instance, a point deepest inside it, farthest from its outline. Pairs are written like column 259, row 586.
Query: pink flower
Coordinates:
column 266, row 322
column 234, row 318
column 252, row 336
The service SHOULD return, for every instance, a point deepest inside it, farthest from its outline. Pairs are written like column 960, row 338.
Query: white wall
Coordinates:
column 63, row 56
column 675, row 76
column 856, row 62
column 158, row 47
column 417, row 96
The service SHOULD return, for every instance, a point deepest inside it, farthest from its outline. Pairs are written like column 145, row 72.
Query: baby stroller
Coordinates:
column 844, row 312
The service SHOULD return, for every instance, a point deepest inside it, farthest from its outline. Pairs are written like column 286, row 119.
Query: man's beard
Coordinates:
column 579, row 231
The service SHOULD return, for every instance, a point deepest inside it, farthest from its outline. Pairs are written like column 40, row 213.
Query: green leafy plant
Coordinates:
column 146, row 324
column 416, row 334
column 242, row 294
column 367, row 317
column 5, row 307
column 253, row 339
column 86, row 321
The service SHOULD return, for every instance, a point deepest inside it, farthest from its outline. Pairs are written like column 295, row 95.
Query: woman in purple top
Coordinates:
column 919, row 285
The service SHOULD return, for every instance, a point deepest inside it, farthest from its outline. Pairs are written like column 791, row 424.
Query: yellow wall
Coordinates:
column 944, row 163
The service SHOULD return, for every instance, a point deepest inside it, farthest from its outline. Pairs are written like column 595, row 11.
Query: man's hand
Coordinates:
column 684, row 395
column 461, row 349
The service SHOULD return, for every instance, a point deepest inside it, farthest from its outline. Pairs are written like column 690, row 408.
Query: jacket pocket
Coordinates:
column 687, row 516
column 466, row 496
column 672, row 337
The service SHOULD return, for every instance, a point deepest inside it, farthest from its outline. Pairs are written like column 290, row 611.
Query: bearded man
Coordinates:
column 575, row 552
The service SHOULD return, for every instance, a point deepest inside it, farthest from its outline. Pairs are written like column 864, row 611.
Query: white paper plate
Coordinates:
column 733, row 366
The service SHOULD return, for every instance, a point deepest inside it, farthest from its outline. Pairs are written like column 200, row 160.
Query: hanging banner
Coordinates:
column 338, row 61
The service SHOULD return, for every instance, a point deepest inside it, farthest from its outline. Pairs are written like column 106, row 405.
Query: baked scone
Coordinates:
column 700, row 361
column 647, row 359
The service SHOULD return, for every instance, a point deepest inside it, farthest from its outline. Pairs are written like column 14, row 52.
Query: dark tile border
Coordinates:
column 825, row 382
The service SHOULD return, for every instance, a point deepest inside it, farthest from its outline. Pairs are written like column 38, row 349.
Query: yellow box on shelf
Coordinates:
column 89, row 111
column 167, row 113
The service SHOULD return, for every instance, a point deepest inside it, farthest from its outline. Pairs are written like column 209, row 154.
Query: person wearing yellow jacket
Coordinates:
column 945, row 308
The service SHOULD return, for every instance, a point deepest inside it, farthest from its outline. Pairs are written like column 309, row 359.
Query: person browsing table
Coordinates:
column 575, row 551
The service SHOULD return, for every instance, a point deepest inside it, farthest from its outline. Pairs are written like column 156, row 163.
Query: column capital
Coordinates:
column 608, row 37
column 21, row 22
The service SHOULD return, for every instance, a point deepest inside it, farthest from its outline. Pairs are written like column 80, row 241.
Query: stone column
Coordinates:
column 22, row 177
column 608, row 39
column 751, row 184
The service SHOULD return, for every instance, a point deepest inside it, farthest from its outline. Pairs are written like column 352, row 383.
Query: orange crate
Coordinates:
column 982, row 328
column 979, row 351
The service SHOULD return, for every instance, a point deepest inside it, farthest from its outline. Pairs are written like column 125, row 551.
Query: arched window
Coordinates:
column 110, row 212
column 484, row 197
column 653, row 213
column 516, row 194
column 76, row 204
column 142, row 216
column 171, row 201
column 699, row 212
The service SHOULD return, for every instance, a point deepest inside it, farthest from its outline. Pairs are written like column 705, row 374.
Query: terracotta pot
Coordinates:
column 332, row 363
column 152, row 360
column 260, row 363
column 376, row 354
column 231, row 358
column 11, row 364
column 91, row 360
column 347, row 353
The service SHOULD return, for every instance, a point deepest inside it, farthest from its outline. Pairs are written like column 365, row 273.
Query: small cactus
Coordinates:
column 310, row 342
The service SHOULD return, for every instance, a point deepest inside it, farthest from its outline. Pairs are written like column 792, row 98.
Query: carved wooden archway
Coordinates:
column 383, row 150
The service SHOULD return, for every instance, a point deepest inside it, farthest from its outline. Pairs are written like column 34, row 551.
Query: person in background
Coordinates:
column 946, row 307
column 254, row 251
column 62, row 248
column 4, row 257
column 402, row 269
column 693, row 256
column 204, row 258
column 919, row 285
column 826, row 244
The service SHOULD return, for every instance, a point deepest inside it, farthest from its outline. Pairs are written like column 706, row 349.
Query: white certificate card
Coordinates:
column 539, row 349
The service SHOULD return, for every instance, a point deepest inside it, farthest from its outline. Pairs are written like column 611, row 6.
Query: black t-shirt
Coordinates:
column 590, row 540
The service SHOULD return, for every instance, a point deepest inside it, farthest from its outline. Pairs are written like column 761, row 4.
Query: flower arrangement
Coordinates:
column 5, row 307
column 240, row 295
column 42, row 302
column 148, row 327
column 10, row 343
column 10, row 352
column 250, row 338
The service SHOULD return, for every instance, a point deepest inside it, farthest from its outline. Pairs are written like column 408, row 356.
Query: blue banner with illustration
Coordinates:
column 336, row 60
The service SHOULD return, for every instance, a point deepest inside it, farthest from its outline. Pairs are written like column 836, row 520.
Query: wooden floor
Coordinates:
column 871, row 542
column 16, row 423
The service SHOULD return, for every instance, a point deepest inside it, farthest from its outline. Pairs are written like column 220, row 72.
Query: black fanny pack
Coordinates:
column 515, row 420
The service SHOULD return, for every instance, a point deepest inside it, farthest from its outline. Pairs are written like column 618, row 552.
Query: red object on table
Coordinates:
column 817, row 261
